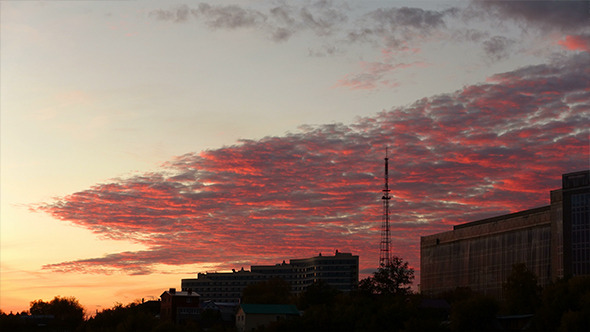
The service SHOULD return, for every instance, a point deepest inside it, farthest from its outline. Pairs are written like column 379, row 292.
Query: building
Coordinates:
column 254, row 316
column 226, row 311
column 340, row 271
column 572, row 227
column 552, row 241
column 179, row 307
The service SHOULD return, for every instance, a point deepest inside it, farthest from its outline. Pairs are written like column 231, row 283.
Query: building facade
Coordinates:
column 552, row 241
column 340, row 271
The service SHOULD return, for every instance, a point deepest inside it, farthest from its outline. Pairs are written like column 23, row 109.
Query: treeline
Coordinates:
column 59, row 314
column 66, row 314
column 383, row 302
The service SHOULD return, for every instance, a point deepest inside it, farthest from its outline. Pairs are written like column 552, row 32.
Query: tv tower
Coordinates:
column 384, row 255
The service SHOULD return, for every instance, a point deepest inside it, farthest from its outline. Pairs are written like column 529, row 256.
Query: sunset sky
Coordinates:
column 145, row 141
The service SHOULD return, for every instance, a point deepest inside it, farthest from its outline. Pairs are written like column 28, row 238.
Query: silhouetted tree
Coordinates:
column 457, row 294
column 68, row 312
column 565, row 306
column 11, row 322
column 272, row 291
column 135, row 316
column 210, row 318
column 392, row 279
column 317, row 293
column 476, row 313
column 522, row 294
column 39, row 307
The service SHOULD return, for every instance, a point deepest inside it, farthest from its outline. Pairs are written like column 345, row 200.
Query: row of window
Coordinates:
column 336, row 278
column 580, row 211
column 581, row 255
column 304, row 270
column 187, row 311
column 581, row 268
column 292, row 278
column 581, row 234
column 209, row 294
column 327, row 262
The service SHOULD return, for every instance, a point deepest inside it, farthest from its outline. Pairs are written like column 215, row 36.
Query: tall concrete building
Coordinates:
column 553, row 241
column 340, row 271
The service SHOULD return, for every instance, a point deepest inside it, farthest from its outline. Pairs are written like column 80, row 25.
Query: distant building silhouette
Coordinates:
column 552, row 241
column 340, row 271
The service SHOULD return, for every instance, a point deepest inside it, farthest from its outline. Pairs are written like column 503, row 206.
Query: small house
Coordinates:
column 253, row 316
column 179, row 307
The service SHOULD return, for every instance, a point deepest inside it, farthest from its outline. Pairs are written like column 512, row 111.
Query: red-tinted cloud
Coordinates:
column 485, row 150
column 576, row 43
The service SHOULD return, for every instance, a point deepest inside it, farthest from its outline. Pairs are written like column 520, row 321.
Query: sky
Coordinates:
column 143, row 142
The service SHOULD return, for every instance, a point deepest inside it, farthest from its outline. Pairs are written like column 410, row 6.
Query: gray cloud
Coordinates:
column 498, row 47
column 280, row 22
column 417, row 18
column 228, row 17
column 323, row 22
column 393, row 28
column 472, row 35
column 566, row 16
column 398, row 26
column 326, row 50
column 179, row 14
column 323, row 18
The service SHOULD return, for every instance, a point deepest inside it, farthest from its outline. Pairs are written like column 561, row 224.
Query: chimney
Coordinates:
column 172, row 290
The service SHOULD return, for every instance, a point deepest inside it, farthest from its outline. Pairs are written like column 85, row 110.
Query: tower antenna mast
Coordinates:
column 384, row 253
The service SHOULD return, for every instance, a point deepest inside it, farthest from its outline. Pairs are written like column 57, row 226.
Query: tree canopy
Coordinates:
column 392, row 279
column 272, row 291
column 521, row 291
column 68, row 312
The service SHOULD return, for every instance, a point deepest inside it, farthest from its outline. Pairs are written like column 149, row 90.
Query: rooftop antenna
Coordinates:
column 384, row 253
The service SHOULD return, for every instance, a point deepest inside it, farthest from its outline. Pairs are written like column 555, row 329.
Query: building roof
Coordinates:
column 503, row 217
column 180, row 293
column 270, row 309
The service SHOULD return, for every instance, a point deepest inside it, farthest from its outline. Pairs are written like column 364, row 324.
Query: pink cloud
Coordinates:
column 374, row 75
column 576, row 43
column 482, row 151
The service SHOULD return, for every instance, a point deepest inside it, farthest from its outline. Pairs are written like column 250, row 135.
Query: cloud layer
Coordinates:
column 565, row 16
column 280, row 22
column 496, row 30
column 485, row 150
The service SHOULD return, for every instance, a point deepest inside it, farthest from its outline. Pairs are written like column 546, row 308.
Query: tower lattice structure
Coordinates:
column 384, row 250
